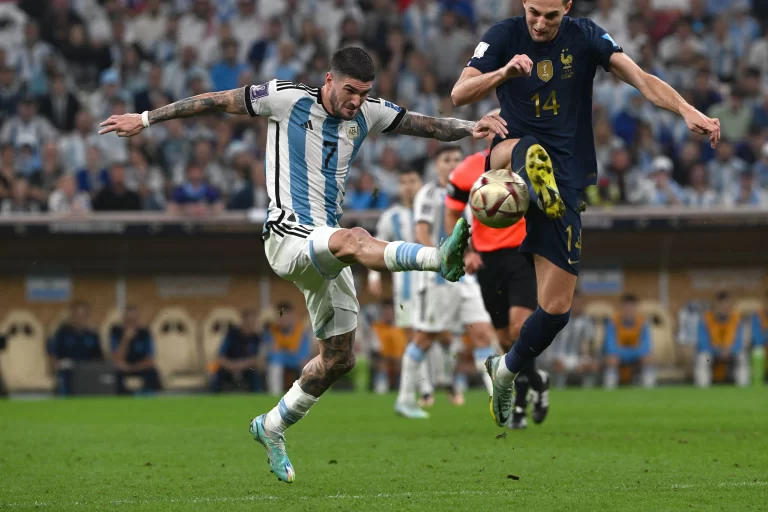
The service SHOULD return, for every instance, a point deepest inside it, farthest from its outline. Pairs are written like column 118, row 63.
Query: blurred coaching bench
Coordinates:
column 184, row 348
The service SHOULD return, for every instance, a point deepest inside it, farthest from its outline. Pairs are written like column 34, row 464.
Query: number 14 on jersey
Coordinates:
column 550, row 104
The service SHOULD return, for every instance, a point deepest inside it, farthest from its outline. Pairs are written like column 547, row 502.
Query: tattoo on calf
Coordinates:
column 336, row 358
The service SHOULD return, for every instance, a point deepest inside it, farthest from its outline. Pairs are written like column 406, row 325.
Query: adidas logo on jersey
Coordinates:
column 307, row 125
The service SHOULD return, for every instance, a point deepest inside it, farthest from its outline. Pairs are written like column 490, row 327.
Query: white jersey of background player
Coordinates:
column 440, row 308
column 396, row 223
column 313, row 135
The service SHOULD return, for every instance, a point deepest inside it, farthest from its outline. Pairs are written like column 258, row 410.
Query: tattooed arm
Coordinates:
column 448, row 129
column 336, row 358
column 231, row 102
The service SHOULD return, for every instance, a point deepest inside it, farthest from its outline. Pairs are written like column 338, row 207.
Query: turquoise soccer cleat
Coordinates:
column 275, row 446
column 452, row 252
column 411, row 411
column 502, row 399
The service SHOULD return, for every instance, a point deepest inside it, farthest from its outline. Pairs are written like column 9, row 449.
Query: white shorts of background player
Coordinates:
column 440, row 306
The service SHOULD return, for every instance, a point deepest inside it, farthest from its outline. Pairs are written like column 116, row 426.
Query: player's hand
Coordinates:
column 519, row 66
column 472, row 262
column 490, row 124
column 703, row 125
column 126, row 125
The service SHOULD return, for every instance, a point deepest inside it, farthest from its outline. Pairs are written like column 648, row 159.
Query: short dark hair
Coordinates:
column 353, row 62
column 409, row 170
column 448, row 148
column 629, row 298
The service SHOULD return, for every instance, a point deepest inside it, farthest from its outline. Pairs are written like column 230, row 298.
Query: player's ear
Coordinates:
column 329, row 79
column 568, row 6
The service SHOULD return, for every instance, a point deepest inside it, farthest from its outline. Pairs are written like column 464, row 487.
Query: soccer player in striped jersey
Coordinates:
column 314, row 134
column 441, row 308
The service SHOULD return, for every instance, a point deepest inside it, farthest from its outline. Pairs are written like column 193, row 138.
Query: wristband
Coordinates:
column 145, row 119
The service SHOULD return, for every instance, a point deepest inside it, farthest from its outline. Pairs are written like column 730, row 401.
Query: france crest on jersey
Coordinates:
column 310, row 151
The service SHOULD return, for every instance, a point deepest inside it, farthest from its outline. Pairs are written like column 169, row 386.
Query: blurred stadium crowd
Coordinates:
column 66, row 65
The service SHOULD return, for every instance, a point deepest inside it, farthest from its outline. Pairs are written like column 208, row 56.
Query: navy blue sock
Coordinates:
column 536, row 335
column 518, row 162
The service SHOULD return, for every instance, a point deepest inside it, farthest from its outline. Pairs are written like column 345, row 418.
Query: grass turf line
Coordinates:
column 664, row 449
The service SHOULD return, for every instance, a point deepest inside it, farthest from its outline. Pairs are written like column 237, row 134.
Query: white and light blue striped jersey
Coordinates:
column 429, row 207
column 309, row 151
column 395, row 224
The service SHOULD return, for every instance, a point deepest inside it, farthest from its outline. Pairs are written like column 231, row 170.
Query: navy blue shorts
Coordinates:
column 559, row 241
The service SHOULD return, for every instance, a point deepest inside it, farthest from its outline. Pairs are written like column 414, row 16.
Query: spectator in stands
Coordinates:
column 246, row 27
column 153, row 92
column 166, row 47
column 31, row 56
column 735, row 115
column 254, row 193
column 224, row 74
column 27, row 123
column 684, row 35
column 389, row 345
column 720, row 353
column 241, row 356
column 659, row 189
column 45, row 177
column 85, row 61
column 176, row 148
column 443, row 48
column 178, row 73
column 761, row 167
column 751, row 84
column 726, row 167
column 284, row 65
column 760, row 338
column 73, row 148
column 195, row 196
column 149, row 26
column 572, row 351
column 73, row 342
column 267, row 47
column 364, row 195
column 745, row 192
column 133, row 71
column 723, row 56
column 65, row 199
column 288, row 345
column 420, row 22
column 698, row 193
column 20, row 200
column 146, row 179
column 93, row 176
column 60, row 106
column 628, row 346
column 704, row 93
column 116, row 196
column 11, row 91
column 133, row 352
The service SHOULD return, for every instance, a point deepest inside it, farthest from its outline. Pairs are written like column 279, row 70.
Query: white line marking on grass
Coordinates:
column 339, row 496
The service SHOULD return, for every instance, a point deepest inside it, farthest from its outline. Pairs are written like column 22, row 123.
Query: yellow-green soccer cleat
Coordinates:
column 275, row 445
column 452, row 252
column 538, row 165
column 502, row 399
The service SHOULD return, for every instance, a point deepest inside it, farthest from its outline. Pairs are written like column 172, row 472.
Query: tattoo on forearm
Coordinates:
column 336, row 358
column 441, row 128
column 232, row 101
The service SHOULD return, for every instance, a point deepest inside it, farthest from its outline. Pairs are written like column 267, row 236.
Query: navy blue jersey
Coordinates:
column 238, row 345
column 68, row 343
column 554, row 104
column 140, row 347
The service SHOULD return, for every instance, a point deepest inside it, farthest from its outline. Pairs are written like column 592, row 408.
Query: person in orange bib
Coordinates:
column 507, row 280
column 720, row 354
column 628, row 346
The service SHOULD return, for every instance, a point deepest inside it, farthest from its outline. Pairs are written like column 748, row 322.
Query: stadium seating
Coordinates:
column 23, row 363
column 177, row 351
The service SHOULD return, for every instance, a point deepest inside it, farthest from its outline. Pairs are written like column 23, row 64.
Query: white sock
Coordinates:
column 275, row 379
column 403, row 256
column 611, row 378
column 425, row 379
column 588, row 381
column 702, row 370
column 649, row 376
column 741, row 370
column 503, row 374
column 449, row 359
column 480, row 355
column 409, row 374
column 381, row 383
column 290, row 409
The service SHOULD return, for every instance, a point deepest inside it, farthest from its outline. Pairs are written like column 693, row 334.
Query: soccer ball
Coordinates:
column 499, row 198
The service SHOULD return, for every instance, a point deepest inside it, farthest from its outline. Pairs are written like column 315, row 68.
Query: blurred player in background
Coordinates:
column 313, row 136
column 720, row 351
column 573, row 352
column 507, row 281
column 441, row 308
column 542, row 66
column 628, row 346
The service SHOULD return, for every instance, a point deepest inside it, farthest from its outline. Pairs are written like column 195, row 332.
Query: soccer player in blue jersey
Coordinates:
column 542, row 66
column 314, row 134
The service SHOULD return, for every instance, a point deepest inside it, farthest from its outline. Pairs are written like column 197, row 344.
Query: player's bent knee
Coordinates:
column 347, row 243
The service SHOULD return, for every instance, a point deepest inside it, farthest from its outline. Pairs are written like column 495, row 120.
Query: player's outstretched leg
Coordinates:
column 335, row 359
column 356, row 245
column 528, row 154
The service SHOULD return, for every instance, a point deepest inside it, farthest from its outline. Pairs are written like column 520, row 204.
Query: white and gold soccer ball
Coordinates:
column 499, row 198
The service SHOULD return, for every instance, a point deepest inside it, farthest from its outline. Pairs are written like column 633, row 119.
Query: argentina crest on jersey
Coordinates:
column 353, row 131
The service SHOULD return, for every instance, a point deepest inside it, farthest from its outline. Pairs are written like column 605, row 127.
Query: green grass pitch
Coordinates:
column 664, row 449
